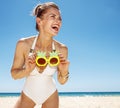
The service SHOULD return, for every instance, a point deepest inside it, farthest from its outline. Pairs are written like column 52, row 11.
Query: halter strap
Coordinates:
column 53, row 46
column 33, row 46
column 34, row 43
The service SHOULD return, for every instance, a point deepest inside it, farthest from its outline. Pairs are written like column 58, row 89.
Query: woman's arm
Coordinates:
column 21, row 64
column 63, row 67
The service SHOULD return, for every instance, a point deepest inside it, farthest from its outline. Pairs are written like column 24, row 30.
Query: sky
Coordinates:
column 91, row 31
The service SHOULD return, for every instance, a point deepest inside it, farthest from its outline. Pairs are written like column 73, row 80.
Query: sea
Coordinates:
column 67, row 94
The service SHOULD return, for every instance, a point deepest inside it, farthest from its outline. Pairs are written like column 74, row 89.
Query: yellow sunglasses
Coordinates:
column 42, row 60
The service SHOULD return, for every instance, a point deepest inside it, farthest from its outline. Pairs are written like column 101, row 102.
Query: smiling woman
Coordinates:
column 38, row 57
column 41, row 9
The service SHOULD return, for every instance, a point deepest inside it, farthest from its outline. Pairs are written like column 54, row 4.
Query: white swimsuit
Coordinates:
column 40, row 86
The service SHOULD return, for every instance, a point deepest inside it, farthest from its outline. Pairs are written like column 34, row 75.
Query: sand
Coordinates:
column 73, row 102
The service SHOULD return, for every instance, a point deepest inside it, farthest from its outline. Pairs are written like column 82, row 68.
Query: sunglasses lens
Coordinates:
column 54, row 61
column 41, row 61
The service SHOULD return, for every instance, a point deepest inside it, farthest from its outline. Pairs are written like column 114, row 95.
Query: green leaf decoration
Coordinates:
column 53, row 53
column 41, row 54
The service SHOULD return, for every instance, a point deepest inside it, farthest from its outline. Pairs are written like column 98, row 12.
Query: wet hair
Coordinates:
column 41, row 9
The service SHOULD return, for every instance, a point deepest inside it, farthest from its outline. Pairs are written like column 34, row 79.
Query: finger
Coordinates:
column 31, row 59
column 65, row 61
column 60, row 55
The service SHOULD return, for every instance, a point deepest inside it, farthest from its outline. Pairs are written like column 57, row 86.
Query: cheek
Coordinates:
column 60, row 24
column 45, row 24
column 48, row 22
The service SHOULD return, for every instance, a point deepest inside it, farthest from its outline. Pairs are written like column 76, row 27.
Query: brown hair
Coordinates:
column 41, row 9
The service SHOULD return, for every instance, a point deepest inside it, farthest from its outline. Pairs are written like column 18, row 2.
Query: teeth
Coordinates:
column 55, row 27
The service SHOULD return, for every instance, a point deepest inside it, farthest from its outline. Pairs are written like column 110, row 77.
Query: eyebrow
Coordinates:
column 55, row 15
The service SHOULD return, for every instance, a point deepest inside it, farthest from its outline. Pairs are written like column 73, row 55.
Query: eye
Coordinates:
column 60, row 18
column 53, row 16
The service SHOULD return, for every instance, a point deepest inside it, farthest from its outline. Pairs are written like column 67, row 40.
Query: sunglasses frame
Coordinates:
column 47, row 60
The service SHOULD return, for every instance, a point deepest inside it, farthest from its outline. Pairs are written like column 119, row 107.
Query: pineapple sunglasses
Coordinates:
column 42, row 60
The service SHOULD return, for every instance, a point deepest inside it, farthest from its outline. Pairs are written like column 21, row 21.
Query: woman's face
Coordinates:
column 51, row 22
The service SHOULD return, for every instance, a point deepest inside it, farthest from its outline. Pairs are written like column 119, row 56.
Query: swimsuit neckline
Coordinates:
column 34, row 43
column 32, row 50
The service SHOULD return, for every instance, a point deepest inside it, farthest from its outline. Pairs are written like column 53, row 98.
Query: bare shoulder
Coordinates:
column 62, row 48
column 24, row 44
column 25, row 40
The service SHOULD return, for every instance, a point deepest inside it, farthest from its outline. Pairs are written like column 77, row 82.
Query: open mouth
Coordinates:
column 55, row 27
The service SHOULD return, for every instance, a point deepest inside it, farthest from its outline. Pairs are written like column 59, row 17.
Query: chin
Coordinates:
column 54, row 34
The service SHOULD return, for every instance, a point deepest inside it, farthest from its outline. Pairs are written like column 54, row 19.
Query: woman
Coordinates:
column 39, row 86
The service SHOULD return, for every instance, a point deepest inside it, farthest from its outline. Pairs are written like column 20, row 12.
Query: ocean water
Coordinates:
column 80, row 94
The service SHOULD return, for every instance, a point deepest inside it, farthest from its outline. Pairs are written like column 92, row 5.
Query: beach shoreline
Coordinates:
column 73, row 102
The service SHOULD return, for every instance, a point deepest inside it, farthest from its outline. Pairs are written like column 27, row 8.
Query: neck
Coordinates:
column 44, row 42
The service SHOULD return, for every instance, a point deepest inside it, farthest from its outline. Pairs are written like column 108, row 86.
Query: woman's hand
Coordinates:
column 30, row 63
column 63, row 65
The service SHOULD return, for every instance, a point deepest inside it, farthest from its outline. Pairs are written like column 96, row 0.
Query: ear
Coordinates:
column 38, row 20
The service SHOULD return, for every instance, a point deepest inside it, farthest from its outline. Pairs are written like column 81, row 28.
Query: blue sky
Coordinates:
column 90, row 29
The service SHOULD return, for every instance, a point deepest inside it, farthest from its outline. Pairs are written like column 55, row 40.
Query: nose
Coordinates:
column 58, row 19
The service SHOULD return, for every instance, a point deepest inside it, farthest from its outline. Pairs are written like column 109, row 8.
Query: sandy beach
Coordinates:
column 73, row 102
